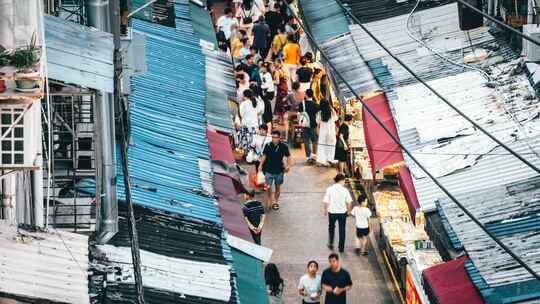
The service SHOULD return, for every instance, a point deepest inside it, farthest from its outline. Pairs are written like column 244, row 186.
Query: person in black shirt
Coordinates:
column 336, row 281
column 310, row 134
column 304, row 73
column 273, row 167
column 254, row 216
column 342, row 144
column 273, row 19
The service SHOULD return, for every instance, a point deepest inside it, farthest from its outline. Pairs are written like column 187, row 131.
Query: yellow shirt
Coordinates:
column 291, row 52
column 236, row 45
column 279, row 41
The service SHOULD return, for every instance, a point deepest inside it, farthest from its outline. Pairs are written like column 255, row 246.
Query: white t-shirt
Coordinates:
column 260, row 141
column 226, row 24
column 337, row 197
column 311, row 285
column 362, row 215
column 267, row 82
column 250, row 115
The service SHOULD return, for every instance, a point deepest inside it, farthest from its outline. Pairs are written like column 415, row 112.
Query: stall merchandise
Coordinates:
column 406, row 245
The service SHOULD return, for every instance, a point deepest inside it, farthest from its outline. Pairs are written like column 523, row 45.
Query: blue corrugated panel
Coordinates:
column 456, row 243
column 324, row 18
column 168, row 126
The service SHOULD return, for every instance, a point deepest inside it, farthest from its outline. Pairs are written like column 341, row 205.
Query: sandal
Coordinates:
column 275, row 206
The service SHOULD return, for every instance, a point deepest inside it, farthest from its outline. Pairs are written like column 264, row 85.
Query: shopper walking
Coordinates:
column 335, row 281
column 273, row 18
column 254, row 216
column 250, row 111
column 272, row 165
column 326, row 120
column 362, row 216
column 274, row 284
column 227, row 22
column 304, row 74
column 261, row 37
column 337, row 203
column 308, row 110
column 342, row 144
column 291, row 57
column 309, row 286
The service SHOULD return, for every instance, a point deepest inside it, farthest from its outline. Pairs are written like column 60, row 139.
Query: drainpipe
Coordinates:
column 97, row 12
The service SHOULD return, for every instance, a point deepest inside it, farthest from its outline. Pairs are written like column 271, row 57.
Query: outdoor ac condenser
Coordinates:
column 531, row 51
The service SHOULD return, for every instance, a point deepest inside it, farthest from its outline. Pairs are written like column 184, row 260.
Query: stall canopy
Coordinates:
column 383, row 151
column 407, row 187
column 230, row 208
column 449, row 283
column 220, row 146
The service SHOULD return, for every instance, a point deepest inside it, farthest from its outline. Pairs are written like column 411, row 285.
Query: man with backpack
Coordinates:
column 308, row 110
column 261, row 37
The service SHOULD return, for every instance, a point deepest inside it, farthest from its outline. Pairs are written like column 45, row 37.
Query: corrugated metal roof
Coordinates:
column 324, row 18
column 344, row 54
column 78, row 54
column 439, row 28
column 46, row 266
column 221, row 87
column 202, row 23
column 250, row 278
column 168, row 134
column 374, row 10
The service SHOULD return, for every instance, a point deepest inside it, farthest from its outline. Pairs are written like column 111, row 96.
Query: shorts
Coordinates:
column 361, row 232
column 276, row 179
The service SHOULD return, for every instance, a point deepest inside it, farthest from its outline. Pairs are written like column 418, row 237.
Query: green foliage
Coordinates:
column 5, row 58
column 26, row 57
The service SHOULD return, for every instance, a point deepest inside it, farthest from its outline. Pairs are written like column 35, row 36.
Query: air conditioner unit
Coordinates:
column 531, row 51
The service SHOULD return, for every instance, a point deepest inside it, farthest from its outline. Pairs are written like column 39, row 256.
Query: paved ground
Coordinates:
column 298, row 233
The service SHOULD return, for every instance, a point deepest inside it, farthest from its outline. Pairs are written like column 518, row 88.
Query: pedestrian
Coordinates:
column 279, row 41
column 337, row 203
column 273, row 19
column 237, row 43
column 274, row 283
column 221, row 39
column 261, row 37
column 310, row 127
column 291, row 57
column 281, row 99
column 227, row 22
column 326, row 121
column 250, row 111
column 254, row 216
column 294, row 99
column 274, row 168
column 342, row 144
column 246, row 17
column 335, row 281
column 242, row 84
column 309, row 286
column 362, row 214
column 291, row 28
column 260, row 141
column 316, row 83
column 304, row 74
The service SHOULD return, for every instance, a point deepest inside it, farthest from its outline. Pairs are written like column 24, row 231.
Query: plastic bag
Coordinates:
column 261, row 179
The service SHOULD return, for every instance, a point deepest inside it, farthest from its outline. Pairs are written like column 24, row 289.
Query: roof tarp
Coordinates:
column 220, row 146
column 407, row 187
column 250, row 279
column 230, row 208
column 383, row 151
column 449, row 283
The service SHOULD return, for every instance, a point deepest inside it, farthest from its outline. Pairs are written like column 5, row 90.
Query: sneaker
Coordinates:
column 357, row 251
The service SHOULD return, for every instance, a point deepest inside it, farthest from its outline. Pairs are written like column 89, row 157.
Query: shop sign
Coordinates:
column 411, row 293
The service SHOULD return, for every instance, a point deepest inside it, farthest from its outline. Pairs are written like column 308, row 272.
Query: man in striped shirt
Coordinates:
column 254, row 216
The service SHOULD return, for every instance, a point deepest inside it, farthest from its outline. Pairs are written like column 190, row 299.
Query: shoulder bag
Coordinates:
column 304, row 117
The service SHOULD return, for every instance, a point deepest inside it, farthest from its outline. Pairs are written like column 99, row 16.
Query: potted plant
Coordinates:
column 5, row 60
column 25, row 60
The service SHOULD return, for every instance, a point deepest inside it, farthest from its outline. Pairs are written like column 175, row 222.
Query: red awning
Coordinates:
column 382, row 150
column 220, row 146
column 230, row 207
column 450, row 283
column 407, row 187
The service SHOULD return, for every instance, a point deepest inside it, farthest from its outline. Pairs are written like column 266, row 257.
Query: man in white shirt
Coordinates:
column 226, row 22
column 337, row 203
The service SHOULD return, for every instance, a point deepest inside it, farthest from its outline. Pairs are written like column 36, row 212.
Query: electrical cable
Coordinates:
column 397, row 141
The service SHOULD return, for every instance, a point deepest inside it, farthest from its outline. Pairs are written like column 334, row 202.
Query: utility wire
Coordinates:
column 396, row 140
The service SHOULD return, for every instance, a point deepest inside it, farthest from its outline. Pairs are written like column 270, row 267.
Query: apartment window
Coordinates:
column 12, row 146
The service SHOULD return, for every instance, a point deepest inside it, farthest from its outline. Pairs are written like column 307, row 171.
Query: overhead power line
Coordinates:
column 397, row 141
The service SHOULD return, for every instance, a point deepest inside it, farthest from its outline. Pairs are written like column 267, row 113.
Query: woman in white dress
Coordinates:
column 326, row 121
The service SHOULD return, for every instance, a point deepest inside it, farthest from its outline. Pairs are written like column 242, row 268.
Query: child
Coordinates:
column 362, row 214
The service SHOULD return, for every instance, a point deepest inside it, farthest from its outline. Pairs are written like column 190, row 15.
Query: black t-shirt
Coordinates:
column 274, row 157
column 344, row 130
column 312, row 109
column 340, row 279
column 304, row 74
column 254, row 211
column 273, row 19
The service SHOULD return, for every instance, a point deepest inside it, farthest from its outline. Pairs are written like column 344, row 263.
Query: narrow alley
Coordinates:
column 298, row 232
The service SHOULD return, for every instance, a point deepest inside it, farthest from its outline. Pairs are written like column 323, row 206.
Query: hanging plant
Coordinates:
column 25, row 60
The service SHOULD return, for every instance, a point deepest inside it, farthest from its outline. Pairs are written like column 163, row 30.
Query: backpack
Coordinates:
column 304, row 120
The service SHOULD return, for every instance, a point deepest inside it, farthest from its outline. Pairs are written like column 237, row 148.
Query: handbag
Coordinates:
column 304, row 117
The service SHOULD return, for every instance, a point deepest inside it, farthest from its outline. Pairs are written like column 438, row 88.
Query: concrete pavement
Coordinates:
column 298, row 232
